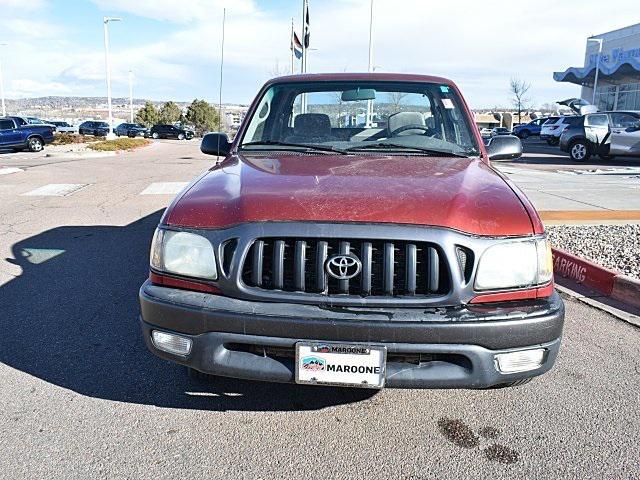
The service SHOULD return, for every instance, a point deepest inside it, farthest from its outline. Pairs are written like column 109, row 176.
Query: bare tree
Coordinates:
column 396, row 99
column 278, row 71
column 519, row 89
column 549, row 108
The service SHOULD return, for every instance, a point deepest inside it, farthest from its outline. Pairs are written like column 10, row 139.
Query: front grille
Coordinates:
column 389, row 268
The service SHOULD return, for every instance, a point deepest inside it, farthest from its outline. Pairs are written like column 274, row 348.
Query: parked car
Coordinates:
column 546, row 129
column 529, row 129
column 553, row 128
column 36, row 121
column 170, row 131
column 63, row 127
column 500, row 131
column 16, row 133
column 363, row 257
column 485, row 132
column 605, row 134
column 131, row 130
column 98, row 129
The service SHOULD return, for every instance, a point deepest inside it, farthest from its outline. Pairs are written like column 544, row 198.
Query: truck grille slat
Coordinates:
column 366, row 255
column 433, row 269
column 257, row 258
column 278, row 264
column 389, row 254
column 411, row 269
column 388, row 268
column 299, row 265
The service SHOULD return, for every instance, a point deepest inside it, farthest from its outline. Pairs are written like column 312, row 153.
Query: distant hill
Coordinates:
column 59, row 103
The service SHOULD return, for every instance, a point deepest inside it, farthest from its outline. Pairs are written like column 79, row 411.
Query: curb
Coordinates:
column 603, row 280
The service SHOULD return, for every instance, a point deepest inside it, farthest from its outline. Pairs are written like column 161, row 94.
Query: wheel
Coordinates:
column 579, row 151
column 155, row 135
column 525, row 134
column 181, row 136
column 607, row 157
column 200, row 376
column 35, row 144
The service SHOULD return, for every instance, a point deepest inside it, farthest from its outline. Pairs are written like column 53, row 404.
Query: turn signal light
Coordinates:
column 170, row 343
column 521, row 361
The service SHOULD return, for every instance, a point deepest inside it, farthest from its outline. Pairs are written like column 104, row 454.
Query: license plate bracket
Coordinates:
column 340, row 364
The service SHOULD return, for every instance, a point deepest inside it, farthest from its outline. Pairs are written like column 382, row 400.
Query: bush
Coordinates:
column 119, row 144
column 68, row 139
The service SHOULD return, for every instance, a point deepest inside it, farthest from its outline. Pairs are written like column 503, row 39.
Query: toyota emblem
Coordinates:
column 343, row 266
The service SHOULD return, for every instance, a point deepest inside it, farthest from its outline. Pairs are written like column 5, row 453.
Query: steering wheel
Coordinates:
column 404, row 128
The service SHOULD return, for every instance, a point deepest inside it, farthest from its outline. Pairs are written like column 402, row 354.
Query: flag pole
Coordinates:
column 303, row 39
column 305, row 14
column 292, row 48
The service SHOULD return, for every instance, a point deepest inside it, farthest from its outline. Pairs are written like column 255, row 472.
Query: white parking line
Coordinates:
column 8, row 170
column 164, row 188
column 56, row 190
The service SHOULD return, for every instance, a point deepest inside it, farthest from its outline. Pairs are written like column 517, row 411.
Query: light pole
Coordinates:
column 4, row 109
column 369, row 120
column 130, row 96
column 595, row 80
column 106, row 20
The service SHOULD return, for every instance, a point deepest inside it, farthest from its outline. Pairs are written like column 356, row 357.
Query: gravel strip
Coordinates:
column 613, row 246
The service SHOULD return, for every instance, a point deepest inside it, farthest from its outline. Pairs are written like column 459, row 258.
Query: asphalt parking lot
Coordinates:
column 81, row 396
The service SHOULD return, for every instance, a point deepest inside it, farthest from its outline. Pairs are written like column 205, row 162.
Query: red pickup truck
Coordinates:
column 355, row 234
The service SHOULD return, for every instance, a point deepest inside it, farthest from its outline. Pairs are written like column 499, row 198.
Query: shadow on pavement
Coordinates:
column 71, row 319
column 537, row 152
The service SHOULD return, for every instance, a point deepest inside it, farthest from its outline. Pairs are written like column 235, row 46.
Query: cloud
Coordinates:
column 26, row 87
column 478, row 46
column 185, row 11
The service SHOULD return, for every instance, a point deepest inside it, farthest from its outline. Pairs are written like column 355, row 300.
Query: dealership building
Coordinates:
column 618, row 79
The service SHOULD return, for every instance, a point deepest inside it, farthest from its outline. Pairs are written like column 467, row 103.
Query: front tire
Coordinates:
column 155, row 135
column 35, row 145
column 579, row 151
column 181, row 136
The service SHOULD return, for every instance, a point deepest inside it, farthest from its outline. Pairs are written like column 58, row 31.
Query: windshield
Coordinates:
column 389, row 117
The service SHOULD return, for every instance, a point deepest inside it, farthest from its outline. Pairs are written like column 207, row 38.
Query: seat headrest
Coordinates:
column 312, row 124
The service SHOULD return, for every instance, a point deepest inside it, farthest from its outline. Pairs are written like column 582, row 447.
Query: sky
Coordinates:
column 55, row 47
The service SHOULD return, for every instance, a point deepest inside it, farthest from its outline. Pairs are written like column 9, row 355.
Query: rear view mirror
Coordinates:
column 504, row 147
column 215, row 144
column 358, row 94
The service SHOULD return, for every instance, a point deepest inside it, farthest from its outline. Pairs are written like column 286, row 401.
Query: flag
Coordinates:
column 305, row 29
column 296, row 46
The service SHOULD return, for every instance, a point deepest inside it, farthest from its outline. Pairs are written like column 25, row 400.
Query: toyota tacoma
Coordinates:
column 355, row 233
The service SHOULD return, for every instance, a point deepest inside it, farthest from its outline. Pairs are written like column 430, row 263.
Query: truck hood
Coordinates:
column 459, row 193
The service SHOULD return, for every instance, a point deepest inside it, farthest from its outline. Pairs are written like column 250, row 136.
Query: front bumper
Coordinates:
column 432, row 348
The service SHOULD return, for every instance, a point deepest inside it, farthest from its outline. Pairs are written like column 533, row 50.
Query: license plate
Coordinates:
column 340, row 364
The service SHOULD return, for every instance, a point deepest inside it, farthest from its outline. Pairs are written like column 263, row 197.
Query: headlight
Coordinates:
column 183, row 253
column 514, row 265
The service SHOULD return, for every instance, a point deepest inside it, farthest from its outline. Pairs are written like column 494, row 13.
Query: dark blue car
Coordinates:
column 528, row 129
column 17, row 134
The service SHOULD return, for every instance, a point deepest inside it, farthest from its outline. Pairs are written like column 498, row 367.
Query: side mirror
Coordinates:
column 215, row 144
column 504, row 147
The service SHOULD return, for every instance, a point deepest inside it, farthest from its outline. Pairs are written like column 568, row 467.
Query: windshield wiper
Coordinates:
column 391, row 146
column 299, row 146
